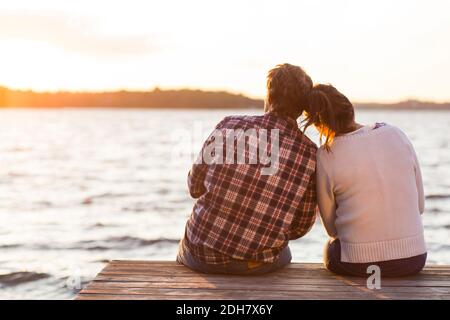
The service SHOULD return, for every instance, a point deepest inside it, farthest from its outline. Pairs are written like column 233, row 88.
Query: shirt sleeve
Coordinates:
column 197, row 174
column 196, row 178
column 326, row 199
column 306, row 214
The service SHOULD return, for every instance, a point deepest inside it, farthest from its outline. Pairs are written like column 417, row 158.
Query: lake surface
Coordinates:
column 79, row 187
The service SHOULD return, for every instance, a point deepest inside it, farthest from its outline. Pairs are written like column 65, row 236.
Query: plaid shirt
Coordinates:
column 244, row 215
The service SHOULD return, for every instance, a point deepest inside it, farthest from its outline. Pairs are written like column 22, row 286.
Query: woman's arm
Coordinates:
column 325, row 198
column 419, row 182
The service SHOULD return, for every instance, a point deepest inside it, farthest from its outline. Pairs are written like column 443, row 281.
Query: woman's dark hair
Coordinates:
column 329, row 111
column 288, row 89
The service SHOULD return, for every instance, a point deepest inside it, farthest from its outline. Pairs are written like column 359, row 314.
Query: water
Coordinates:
column 79, row 187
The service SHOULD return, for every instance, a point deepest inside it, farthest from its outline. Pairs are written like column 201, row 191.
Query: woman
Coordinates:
column 369, row 190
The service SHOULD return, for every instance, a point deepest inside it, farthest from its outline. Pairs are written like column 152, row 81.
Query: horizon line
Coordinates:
column 211, row 90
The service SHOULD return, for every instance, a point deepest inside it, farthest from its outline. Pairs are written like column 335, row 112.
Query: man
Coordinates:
column 248, row 209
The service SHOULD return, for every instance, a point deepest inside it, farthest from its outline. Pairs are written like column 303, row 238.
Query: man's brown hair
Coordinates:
column 288, row 89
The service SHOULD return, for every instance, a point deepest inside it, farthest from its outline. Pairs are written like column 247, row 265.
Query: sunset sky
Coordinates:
column 381, row 50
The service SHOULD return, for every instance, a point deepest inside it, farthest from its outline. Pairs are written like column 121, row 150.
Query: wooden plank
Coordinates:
column 244, row 281
column 230, row 294
column 194, row 293
column 127, row 267
column 265, row 297
column 87, row 296
column 171, row 280
column 174, row 264
column 188, row 297
column 262, row 287
column 314, row 266
column 223, row 286
column 279, row 274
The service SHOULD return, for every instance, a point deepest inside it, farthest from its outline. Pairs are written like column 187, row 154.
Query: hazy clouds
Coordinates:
column 371, row 50
column 72, row 33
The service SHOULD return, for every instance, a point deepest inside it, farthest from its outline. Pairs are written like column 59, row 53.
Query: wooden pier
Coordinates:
column 142, row 280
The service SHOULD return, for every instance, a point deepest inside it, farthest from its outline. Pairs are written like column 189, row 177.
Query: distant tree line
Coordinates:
column 128, row 99
column 165, row 99
column 406, row 105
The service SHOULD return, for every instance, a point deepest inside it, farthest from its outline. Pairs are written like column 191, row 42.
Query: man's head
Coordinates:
column 288, row 89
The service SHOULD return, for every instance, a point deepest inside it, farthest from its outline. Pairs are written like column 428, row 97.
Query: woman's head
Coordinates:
column 288, row 89
column 329, row 111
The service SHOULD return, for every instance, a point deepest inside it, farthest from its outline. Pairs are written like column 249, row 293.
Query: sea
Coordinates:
column 79, row 187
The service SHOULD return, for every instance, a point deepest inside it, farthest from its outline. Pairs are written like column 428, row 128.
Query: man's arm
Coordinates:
column 197, row 174
column 306, row 214
column 196, row 178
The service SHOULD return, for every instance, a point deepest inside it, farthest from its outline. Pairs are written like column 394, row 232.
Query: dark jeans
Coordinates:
column 391, row 268
column 236, row 267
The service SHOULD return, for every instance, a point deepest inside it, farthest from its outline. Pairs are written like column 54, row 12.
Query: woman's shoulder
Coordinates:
column 348, row 141
column 392, row 129
column 323, row 154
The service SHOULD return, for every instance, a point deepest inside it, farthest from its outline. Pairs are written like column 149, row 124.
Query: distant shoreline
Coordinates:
column 167, row 99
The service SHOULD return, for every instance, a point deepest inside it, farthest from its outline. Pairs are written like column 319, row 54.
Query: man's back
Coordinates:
column 245, row 211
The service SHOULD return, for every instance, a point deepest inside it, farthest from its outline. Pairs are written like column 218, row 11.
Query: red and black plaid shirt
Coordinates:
column 244, row 215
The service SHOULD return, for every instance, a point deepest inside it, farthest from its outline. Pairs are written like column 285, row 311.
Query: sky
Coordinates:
column 380, row 50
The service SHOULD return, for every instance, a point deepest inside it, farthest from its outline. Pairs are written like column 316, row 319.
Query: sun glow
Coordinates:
column 372, row 51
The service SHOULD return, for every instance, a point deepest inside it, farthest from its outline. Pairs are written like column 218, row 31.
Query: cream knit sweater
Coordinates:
column 370, row 195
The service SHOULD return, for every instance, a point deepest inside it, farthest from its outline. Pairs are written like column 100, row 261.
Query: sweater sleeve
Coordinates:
column 325, row 197
column 419, row 182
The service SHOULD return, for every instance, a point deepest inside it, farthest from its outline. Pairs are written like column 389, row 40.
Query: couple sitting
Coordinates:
column 364, row 179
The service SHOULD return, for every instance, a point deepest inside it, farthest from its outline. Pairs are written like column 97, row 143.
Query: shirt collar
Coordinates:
column 289, row 122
